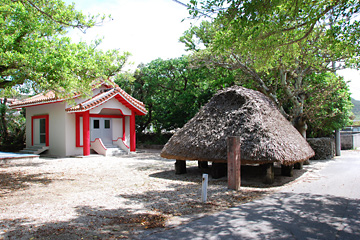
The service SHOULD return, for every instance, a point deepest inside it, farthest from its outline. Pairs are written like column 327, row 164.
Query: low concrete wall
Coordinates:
column 350, row 140
column 324, row 148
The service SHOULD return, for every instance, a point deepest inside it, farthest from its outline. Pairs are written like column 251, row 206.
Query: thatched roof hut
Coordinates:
column 265, row 135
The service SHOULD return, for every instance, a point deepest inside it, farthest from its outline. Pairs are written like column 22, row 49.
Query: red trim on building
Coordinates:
column 86, row 133
column 132, row 132
column 78, row 115
column 102, row 144
column 105, row 116
column 46, row 117
column 102, row 97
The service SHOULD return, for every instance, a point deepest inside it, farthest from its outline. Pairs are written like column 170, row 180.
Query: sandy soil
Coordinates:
column 112, row 197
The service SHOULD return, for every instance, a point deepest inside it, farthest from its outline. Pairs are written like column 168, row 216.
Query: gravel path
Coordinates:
column 110, row 197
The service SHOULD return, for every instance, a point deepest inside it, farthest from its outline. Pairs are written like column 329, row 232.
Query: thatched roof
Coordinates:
column 265, row 135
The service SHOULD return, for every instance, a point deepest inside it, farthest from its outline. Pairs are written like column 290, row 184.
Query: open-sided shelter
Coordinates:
column 104, row 121
column 266, row 136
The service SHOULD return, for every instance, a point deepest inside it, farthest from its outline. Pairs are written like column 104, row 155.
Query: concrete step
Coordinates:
column 114, row 151
column 34, row 150
column 27, row 151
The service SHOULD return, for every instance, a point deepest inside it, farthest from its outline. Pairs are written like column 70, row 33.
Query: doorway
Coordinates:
column 40, row 130
column 101, row 128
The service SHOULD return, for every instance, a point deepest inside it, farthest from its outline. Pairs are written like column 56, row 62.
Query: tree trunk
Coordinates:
column 3, row 122
column 300, row 124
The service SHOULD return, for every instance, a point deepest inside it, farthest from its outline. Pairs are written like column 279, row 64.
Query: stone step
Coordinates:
column 34, row 150
column 27, row 151
column 114, row 151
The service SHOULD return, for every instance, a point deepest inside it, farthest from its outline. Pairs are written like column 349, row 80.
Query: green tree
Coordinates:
column 328, row 104
column 172, row 90
column 12, row 123
column 33, row 46
column 278, row 44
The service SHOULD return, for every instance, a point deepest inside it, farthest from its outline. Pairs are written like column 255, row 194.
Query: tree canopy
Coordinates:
column 33, row 47
column 280, row 46
column 173, row 91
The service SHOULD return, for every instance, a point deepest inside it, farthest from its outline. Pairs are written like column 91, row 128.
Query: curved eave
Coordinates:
column 133, row 107
column 32, row 104
column 118, row 96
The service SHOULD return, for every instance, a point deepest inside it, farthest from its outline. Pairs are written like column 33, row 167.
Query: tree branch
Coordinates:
column 82, row 27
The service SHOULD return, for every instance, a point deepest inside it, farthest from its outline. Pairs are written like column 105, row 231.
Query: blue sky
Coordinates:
column 151, row 29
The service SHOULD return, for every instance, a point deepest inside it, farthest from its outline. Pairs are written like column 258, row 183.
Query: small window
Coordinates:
column 42, row 139
column 107, row 124
column 96, row 124
column 42, row 125
column 42, row 130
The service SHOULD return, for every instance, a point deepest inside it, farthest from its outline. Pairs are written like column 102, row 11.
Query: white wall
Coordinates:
column 127, row 130
column 56, row 112
column 36, row 130
column 70, row 131
column 117, row 128
column 112, row 104
column 62, row 126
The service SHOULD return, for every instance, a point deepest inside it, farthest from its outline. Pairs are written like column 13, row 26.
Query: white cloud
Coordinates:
column 146, row 29
column 353, row 76
column 150, row 29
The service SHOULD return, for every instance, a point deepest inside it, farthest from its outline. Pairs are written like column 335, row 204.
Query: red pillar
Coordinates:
column 132, row 133
column 86, row 133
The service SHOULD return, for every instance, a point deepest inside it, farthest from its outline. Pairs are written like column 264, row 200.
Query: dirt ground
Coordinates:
column 113, row 197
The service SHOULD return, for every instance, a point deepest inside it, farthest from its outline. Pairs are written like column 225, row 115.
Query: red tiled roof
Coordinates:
column 50, row 96
column 105, row 96
column 42, row 98
column 117, row 92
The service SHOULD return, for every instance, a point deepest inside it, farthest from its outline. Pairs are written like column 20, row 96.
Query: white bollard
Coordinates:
column 204, row 188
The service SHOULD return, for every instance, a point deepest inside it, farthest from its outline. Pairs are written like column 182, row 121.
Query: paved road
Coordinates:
column 325, row 205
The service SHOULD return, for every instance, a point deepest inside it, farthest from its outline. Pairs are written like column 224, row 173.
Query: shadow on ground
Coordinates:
column 91, row 223
column 281, row 216
column 14, row 181
column 251, row 176
column 14, row 163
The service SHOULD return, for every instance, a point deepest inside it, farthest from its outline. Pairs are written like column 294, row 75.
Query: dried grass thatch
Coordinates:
column 265, row 135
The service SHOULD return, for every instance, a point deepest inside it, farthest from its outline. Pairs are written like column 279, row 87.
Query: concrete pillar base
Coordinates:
column 307, row 162
column 268, row 173
column 298, row 165
column 218, row 170
column 203, row 164
column 287, row 170
column 180, row 167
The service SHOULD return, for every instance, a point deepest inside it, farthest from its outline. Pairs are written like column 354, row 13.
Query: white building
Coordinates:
column 99, row 123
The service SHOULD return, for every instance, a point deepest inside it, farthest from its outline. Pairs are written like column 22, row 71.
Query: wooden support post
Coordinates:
column 233, row 163
column 203, row 164
column 298, row 165
column 180, row 167
column 287, row 170
column 337, row 142
column 218, row 170
column 268, row 172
